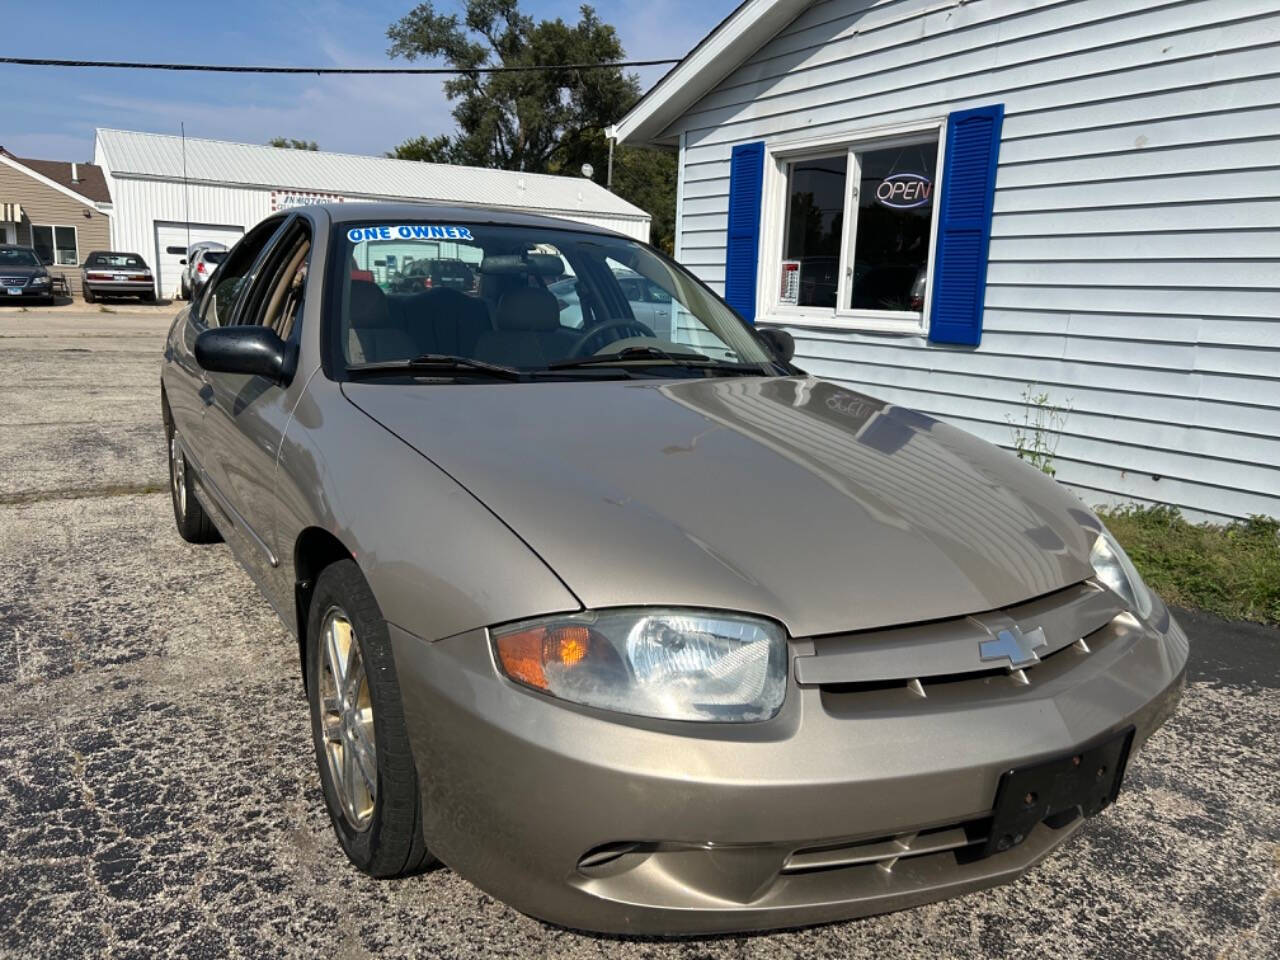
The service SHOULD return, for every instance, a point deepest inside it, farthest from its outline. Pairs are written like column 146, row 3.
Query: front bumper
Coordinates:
column 836, row 808
column 28, row 292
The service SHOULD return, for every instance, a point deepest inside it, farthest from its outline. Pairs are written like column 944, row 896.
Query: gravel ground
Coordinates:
column 156, row 777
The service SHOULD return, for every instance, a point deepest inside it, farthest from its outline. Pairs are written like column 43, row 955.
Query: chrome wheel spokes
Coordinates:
column 346, row 717
column 178, row 474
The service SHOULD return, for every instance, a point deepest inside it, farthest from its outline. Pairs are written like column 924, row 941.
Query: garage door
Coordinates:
column 173, row 236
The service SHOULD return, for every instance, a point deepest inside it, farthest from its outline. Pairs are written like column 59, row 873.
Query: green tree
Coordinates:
column 544, row 121
column 424, row 149
column 288, row 143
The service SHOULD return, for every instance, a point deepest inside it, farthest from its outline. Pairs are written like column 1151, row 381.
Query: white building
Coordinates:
column 165, row 191
column 1106, row 226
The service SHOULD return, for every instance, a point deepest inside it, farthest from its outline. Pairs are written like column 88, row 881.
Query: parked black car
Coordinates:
column 23, row 276
column 109, row 273
column 432, row 274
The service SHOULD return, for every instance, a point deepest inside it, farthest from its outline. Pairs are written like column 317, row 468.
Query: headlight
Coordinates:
column 672, row 664
column 1116, row 570
column 40, row 280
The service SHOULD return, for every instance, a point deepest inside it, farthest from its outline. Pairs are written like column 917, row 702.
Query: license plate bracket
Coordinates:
column 1085, row 780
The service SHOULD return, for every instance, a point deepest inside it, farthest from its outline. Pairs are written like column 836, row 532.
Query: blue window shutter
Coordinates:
column 746, row 178
column 964, row 225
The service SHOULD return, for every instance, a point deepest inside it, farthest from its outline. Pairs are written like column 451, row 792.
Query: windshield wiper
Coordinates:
column 429, row 362
column 651, row 354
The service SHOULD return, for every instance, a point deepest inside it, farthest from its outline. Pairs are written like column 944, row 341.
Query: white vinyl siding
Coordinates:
column 1135, row 245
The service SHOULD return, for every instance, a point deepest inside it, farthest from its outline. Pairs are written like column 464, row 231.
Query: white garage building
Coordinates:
column 166, row 194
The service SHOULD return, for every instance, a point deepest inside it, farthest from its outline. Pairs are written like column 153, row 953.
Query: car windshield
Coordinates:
column 116, row 260
column 213, row 256
column 18, row 258
column 537, row 300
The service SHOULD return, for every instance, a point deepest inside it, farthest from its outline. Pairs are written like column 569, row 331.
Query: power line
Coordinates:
column 229, row 68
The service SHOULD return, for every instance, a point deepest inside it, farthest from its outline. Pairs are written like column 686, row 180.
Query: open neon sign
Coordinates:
column 905, row 191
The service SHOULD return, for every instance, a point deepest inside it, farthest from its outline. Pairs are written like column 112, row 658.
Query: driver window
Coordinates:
column 279, row 306
column 218, row 307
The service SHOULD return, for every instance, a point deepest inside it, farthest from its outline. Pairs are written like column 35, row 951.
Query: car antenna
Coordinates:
column 186, row 188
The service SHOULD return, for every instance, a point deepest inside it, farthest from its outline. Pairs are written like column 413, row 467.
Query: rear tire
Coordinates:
column 149, row 298
column 194, row 524
column 88, row 295
column 366, row 766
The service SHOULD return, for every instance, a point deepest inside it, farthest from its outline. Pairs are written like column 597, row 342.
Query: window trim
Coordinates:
column 53, row 240
column 778, row 155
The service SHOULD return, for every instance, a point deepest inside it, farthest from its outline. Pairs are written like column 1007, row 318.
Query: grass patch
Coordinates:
column 1232, row 571
column 105, row 310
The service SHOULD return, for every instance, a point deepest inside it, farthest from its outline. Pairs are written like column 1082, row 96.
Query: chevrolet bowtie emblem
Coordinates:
column 1015, row 646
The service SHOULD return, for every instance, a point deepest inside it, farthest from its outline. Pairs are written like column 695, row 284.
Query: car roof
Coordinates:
column 14, row 246
column 439, row 213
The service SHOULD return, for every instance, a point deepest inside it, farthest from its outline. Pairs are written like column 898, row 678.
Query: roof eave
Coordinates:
column 753, row 24
column 11, row 161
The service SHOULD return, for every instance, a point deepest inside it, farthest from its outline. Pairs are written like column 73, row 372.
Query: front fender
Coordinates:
column 439, row 562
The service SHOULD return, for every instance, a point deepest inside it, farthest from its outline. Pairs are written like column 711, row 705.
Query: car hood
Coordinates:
column 24, row 272
column 793, row 498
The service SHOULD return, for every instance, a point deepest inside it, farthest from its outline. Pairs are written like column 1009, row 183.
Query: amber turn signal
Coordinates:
column 525, row 655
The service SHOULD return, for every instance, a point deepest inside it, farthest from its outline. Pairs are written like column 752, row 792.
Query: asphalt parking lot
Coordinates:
column 158, row 795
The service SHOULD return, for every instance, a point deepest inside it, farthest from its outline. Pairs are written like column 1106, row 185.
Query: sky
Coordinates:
column 51, row 112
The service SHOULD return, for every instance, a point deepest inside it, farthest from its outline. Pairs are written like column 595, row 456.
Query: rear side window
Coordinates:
column 214, row 256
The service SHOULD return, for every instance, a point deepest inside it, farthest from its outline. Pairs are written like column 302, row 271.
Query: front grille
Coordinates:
column 923, row 659
column 923, row 864
column 964, row 841
column 13, row 281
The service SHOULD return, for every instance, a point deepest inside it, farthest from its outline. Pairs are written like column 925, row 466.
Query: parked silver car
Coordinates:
column 648, row 302
column 198, row 266
column 111, row 273
column 636, row 635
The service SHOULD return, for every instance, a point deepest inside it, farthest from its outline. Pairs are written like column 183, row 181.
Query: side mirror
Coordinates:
column 183, row 261
column 780, row 343
column 251, row 350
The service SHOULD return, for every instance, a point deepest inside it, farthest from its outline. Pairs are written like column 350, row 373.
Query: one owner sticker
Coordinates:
column 409, row 231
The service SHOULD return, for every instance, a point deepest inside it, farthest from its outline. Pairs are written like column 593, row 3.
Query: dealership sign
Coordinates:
column 291, row 199
column 904, row 191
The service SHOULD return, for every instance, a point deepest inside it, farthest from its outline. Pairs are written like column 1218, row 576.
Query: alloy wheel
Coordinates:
column 346, row 718
column 178, row 474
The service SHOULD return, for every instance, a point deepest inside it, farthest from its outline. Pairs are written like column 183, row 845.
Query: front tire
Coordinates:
column 194, row 524
column 367, row 772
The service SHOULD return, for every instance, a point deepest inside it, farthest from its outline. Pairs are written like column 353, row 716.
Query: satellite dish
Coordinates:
column 588, row 170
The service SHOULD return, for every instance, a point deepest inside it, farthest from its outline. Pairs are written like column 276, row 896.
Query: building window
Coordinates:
column 853, row 231
column 815, row 225
column 56, row 245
